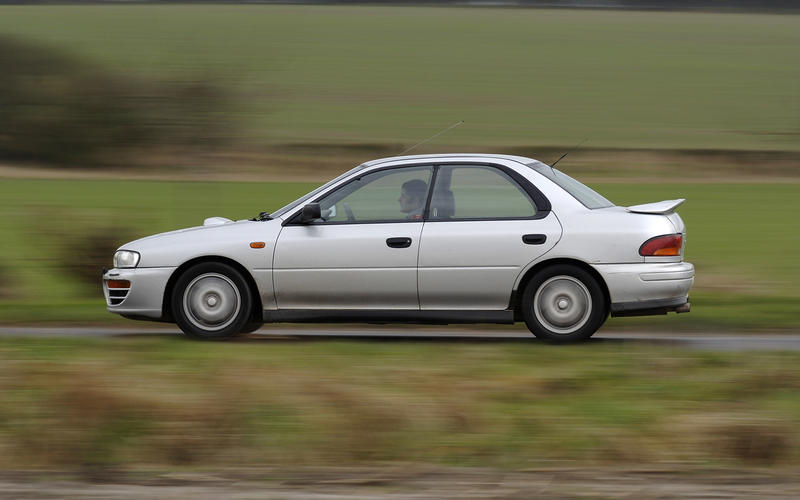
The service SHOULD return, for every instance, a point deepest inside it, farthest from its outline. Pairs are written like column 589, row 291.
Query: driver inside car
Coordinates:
column 412, row 198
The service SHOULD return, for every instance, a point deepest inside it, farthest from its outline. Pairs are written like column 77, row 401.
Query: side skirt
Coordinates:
column 387, row 316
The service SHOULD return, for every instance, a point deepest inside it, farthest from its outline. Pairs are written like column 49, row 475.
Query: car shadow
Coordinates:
column 264, row 336
column 442, row 338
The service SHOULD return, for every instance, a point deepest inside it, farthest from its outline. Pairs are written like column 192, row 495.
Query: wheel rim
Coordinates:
column 211, row 302
column 562, row 304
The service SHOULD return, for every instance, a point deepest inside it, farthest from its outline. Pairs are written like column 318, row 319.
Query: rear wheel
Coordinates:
column 211, row 300
column 563, row 303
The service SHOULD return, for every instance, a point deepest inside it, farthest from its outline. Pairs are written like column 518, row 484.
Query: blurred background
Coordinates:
column 119, row 121
column 123, row 119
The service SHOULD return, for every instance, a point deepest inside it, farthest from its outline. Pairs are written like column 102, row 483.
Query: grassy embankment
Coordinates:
column 738, row 238
column 157, row 403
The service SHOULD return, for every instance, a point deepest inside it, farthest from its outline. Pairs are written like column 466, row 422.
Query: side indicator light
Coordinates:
column 662, row 246
column 257, row 244
column 118, row 284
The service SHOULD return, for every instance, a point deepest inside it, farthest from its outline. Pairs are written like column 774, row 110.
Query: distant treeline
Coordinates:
column 719, row 5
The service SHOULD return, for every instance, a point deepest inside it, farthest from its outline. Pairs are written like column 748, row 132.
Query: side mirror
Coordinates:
column 310, row 213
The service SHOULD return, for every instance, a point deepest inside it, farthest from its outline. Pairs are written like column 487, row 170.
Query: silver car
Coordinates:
column 455, row 238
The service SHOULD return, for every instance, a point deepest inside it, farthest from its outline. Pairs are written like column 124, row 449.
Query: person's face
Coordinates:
column 407, row 202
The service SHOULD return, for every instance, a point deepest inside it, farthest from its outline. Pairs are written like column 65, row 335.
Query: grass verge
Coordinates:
column 106, row 404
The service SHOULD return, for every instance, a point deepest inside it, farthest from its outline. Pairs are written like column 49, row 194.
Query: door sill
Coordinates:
column 441, row 317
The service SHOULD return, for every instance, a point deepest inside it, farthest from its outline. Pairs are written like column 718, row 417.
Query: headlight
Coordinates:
column 126, row 258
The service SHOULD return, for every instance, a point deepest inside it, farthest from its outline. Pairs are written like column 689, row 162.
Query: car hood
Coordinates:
column 165, row 235
column 230, row 240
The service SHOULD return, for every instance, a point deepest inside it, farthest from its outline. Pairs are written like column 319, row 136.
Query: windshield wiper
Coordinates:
column 262, row 216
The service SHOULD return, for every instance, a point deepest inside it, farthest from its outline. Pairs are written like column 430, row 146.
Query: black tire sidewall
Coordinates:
column 596, row 317
column 251, row 327
column 245, row 311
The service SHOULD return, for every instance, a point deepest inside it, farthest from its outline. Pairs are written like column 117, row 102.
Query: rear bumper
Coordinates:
column 651, row 307
column 647, row 288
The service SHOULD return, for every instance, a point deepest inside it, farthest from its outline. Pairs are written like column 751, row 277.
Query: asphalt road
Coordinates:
column 705, row 341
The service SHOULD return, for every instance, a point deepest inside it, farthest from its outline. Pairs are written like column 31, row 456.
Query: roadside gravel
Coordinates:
column 415, row 483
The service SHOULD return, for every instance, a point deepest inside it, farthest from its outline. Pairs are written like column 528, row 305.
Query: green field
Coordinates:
column 739, row 238
column 519, row 77
column 162, row 403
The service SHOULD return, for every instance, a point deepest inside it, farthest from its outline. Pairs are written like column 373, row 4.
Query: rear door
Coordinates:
column 483, row 228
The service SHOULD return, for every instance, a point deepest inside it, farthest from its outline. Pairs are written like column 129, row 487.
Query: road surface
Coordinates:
column 704, row 341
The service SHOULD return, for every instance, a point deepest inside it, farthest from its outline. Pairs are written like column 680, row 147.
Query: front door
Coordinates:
column 363, row 253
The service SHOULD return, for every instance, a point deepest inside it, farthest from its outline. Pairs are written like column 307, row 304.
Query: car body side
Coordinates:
column 630, row 281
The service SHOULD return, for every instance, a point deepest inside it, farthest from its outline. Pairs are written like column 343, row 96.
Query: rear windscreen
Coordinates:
column 581, row 192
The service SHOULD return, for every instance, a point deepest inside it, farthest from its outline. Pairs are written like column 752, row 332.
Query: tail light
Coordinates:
column 662, row 246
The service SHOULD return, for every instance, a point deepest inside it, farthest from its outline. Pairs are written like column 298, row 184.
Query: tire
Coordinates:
column 211, row 300
column 563, row 303
column 251, row 327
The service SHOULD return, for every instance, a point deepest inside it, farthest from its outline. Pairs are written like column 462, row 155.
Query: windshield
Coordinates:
column 581, row 192
column 281, row 211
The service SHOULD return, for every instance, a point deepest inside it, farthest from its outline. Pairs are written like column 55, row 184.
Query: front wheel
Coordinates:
column 251, row 327
column 211, row 301
column 563, row 303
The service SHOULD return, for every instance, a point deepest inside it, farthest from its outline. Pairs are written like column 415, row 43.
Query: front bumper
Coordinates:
column 647, row 288
column 144, row 297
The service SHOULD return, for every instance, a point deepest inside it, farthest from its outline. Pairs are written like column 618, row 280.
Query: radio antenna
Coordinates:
column 568, row 152
column 434, row 136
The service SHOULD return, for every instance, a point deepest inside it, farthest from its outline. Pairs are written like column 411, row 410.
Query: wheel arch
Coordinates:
column 166, row 303
column 516, row 294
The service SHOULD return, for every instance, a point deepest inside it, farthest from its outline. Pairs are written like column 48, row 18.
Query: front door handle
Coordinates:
column 398, row 242
column 534, row 239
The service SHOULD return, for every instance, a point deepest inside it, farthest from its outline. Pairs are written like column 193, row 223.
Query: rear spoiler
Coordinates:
column 659, row 207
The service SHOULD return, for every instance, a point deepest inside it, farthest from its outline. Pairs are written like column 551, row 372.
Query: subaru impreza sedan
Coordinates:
column 454, row 238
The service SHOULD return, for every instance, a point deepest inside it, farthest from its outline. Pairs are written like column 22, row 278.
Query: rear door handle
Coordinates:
column 398, row 242
column 534, row 239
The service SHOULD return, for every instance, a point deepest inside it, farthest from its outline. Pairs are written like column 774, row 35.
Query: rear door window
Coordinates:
column 470, row 192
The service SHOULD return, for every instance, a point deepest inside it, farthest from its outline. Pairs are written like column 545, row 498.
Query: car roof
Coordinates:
column 479, row 156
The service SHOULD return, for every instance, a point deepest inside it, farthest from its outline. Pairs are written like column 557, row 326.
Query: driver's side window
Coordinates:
column 385, row 196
